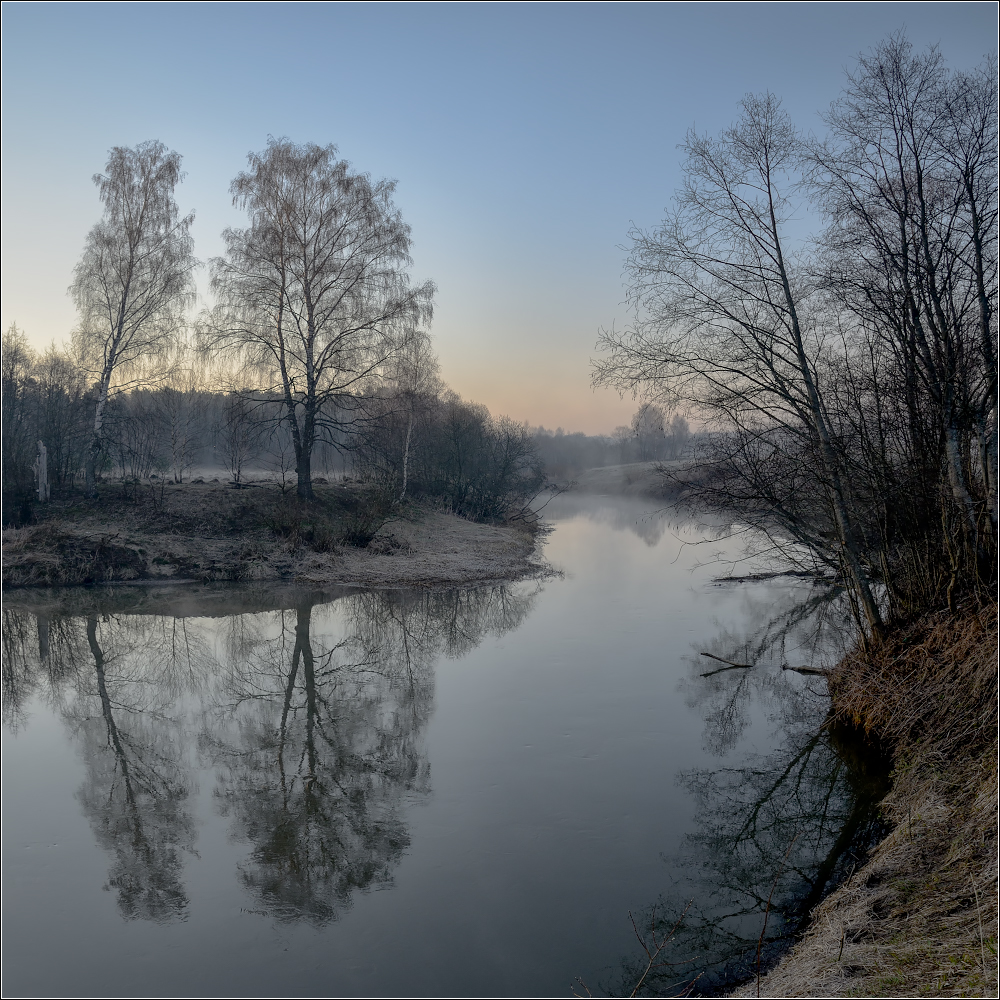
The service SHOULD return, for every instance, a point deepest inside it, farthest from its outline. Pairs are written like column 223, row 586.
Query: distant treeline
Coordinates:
column 417, row 443
column 652, row 436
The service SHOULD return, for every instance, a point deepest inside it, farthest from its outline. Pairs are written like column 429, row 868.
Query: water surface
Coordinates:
column 275, row 792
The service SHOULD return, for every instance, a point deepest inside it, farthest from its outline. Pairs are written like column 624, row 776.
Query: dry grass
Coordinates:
column 920, row 918
column 208, row 532
column 930, row 687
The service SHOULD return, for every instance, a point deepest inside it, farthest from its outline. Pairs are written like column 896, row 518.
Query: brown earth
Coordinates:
column 211, row 531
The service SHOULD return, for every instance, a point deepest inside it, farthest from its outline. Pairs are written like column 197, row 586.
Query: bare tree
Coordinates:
column 724, row 318
column 18, row 430
column 243, row 434
column 134, row 280
column 622, row 436
column 908, row 179
column 314, row 294
column 416, row 384
column 182, row 407
column 649, row 431
column 678, row 435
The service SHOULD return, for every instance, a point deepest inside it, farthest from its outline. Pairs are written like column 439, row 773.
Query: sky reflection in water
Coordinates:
column 207, row 803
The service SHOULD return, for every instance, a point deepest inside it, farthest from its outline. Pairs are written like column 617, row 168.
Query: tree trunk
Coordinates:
column 406, row 455
column 303, row 471
column 42, row 471
column 303, row 454
column 96, row 441
column 956, row 479
column 845, row 526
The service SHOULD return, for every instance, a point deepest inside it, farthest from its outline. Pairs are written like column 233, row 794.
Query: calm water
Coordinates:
column 232, row 792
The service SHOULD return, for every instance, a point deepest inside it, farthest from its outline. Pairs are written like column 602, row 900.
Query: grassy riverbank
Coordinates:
column 202, row 532
column 920, row 917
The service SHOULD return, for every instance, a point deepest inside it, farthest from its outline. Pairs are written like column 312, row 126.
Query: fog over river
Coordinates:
column 236, row 791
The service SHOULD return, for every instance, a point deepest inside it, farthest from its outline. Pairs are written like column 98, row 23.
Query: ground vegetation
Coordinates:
column 207, row 531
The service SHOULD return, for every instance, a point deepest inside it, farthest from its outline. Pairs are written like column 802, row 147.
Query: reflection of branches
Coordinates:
column 807, row 623
column 653, row 949
column 135, row 797
column 315, row 724
column 314, row 776
column 39, row 653
column 117, row 681
column 18, row 673
column 773, row 834
column 772, row 837
column 317, row 735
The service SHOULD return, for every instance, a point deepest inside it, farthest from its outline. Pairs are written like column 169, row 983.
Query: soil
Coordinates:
column 210, row 531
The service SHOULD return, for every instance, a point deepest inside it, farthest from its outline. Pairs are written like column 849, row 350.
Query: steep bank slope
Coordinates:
column 920, row 917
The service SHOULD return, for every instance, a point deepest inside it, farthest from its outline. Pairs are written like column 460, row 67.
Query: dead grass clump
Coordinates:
column 47, row 555
column 337, row 516
column 930, row 684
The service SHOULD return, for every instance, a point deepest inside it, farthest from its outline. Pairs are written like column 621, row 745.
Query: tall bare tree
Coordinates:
column 855, row 379
column 134, row 279
column 415, row 380
column 314, row 294
column 723, row 315
column 908, row 179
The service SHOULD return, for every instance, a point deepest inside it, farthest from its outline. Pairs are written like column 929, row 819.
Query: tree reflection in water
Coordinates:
column 318, row 740
column 773, row 835
column 115, row 681
column 312, row 718
column 137, row 786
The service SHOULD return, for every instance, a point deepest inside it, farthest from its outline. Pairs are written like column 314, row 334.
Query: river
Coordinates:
column 268, row 792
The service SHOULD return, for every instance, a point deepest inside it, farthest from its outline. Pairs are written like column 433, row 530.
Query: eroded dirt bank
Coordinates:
column 210, row 532
column 920, row 917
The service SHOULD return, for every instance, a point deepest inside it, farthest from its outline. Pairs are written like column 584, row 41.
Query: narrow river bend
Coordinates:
column 239, row 791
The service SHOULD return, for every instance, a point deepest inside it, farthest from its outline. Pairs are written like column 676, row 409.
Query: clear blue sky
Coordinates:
column 525, row 139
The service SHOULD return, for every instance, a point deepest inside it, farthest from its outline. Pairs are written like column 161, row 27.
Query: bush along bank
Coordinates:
column 919, row 918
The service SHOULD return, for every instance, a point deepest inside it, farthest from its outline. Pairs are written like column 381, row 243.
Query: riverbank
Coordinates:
column 204, row 532
column 919, row 918
column 638, row 479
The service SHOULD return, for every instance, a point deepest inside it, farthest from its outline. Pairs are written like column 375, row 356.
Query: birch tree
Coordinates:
column 134, row 280
column 314, row 295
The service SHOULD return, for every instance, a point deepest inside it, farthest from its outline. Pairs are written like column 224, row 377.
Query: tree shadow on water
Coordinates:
column 774, row 832
column 317, row 740
column 311, row 718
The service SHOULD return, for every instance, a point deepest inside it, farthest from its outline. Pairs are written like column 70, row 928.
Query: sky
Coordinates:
column 526, row 140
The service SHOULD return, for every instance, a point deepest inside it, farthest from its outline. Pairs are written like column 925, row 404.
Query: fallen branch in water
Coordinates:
column 812, row 671
column 729, row 665
column 802, row 574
